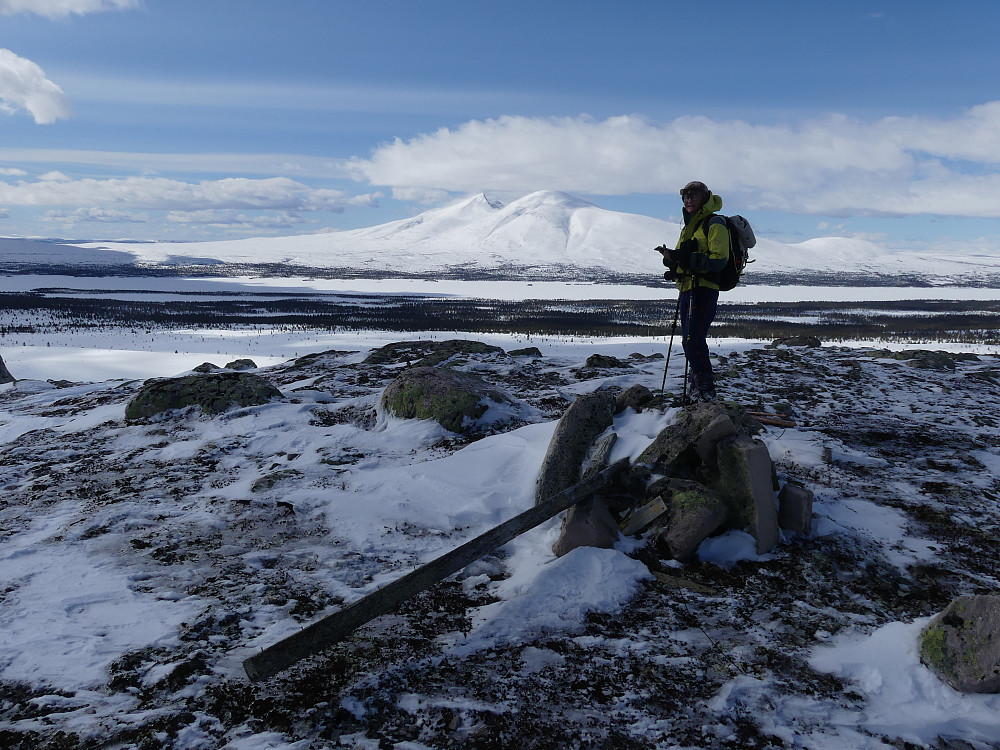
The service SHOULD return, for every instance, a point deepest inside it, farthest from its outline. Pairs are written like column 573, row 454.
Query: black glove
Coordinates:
column 683, row 253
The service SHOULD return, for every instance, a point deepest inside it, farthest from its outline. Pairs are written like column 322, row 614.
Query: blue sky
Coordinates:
column 203, row 119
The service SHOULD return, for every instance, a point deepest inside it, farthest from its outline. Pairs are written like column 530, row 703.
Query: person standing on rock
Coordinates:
column 702, row 252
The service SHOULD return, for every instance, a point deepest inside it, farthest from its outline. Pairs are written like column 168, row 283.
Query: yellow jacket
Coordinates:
column 712, row 255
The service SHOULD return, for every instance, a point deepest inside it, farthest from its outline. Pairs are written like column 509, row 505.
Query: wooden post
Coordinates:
column 337, row 626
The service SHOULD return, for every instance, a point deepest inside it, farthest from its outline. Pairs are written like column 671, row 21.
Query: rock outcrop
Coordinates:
column 429, row 353
column 702, row 474
column 455, row 400
column 962, row 644
column 5, row 376
column 213, row 392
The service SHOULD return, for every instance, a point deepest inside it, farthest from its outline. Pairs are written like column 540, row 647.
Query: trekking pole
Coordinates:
column 687, row 362
column 673, row 330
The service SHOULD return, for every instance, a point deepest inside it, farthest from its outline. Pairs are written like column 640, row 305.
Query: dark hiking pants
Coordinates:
column 697, row 313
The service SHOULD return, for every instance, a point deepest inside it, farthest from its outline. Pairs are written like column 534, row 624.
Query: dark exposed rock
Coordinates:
column 5, row 376
column 242, row 364
column 809, row 341
column 961, row 645
column 214, row 392
column 428, row 353
column 206, row 367
column 598, row 361
column 455, row 400
column 926, row 359
column 636, row 397
column 795, row 504
column 587, row 524
column 528, row 351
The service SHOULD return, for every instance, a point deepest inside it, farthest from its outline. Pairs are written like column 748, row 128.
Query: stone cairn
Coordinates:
column 702, row 475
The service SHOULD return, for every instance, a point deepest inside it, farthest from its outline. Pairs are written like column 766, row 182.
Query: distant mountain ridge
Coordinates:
column 547, row 234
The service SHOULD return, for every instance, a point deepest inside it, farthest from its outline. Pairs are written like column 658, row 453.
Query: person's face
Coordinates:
column 693, row 201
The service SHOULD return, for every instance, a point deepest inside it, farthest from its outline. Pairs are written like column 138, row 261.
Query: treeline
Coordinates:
column 931, row 320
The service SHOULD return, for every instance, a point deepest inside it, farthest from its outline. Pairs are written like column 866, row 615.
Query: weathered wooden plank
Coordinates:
column 337, row 626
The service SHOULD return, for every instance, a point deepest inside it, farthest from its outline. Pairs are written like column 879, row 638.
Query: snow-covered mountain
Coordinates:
column 541, row 232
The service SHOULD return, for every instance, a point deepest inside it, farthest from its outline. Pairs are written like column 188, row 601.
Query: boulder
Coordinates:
column 681, row 448
column 598, row 361
column 242, row 364
column 528, row 351
column 961, row 645
column 795, row 504
column 453, row 399
column 636, row 397
column 589, row 523
column 214, row 392
column 744, row 483
column 694, row 513
column 5, row 376
column 580, row 425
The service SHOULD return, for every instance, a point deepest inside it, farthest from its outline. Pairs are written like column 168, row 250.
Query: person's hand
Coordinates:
column 683, row 254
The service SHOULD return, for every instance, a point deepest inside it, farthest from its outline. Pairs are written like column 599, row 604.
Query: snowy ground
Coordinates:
column 141, row 562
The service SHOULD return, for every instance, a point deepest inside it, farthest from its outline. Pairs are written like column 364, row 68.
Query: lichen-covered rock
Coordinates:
column 455, row 400
column 694, row 512
column 961, row 645
column 214, row 392
column 744, row 483
column 580, row 425
column 428, row 353
column 5, row 376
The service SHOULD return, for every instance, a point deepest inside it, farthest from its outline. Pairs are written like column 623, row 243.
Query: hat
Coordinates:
column 695, row 187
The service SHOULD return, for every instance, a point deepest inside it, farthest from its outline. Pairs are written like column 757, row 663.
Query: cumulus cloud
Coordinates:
column 159, row 193
column 831, row 165
column 23, row 86
column 63, row 8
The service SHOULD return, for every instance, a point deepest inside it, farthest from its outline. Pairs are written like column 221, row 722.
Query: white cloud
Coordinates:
column 833, row 165
column 158, row 193
column 63, row 8
column 230, row 218
column 13, row 172
column 23, row 86
column 207, row 163
column 98, row 215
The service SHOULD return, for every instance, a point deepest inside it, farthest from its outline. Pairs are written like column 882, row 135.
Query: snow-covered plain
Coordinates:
column 74, row 605
column 140, row 563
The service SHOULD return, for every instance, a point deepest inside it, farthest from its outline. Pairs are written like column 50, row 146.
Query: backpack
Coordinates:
column 741, row 239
